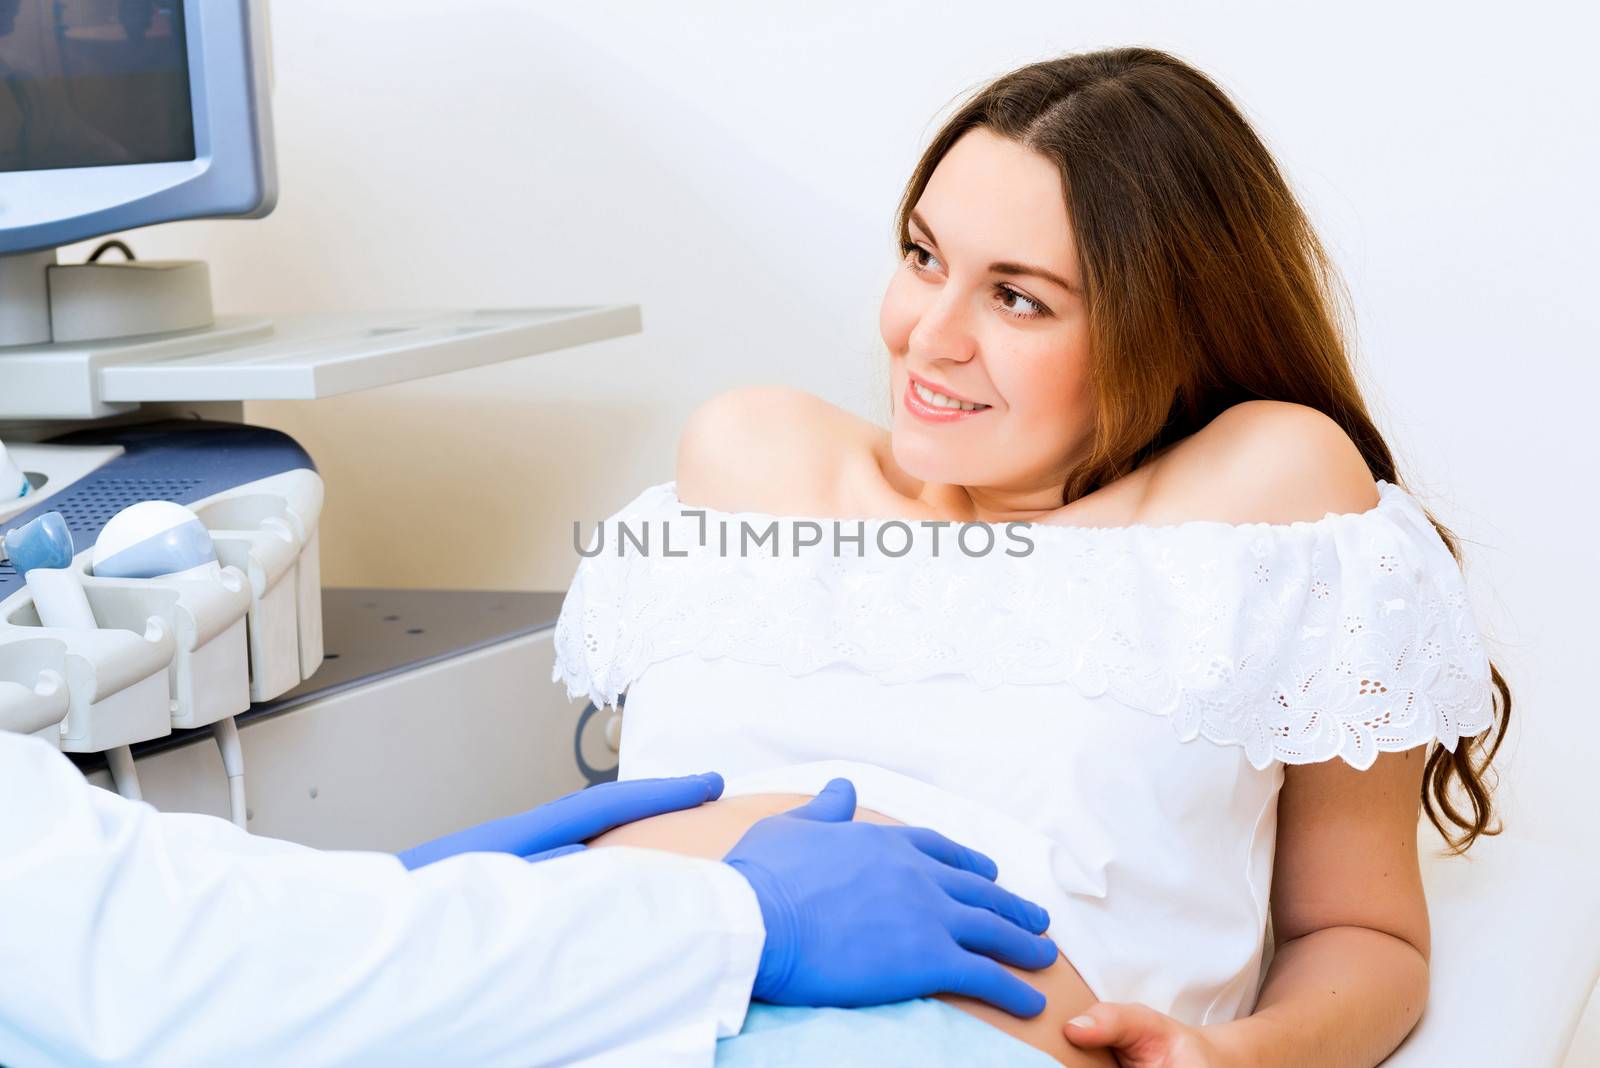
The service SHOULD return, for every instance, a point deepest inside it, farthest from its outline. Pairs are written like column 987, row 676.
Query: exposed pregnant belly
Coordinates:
column 712, row 829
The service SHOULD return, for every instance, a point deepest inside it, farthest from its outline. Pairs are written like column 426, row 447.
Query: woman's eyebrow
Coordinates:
column 1005, row 266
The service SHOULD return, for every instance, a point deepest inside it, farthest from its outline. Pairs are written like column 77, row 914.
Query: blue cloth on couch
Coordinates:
column 922, row 1031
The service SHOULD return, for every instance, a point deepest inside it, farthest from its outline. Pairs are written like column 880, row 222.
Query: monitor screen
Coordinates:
column 93, row 83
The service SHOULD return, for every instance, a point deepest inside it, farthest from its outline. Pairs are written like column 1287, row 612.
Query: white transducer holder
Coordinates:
column 177, row 651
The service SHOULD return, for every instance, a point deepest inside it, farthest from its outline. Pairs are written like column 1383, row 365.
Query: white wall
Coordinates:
column 733, row 167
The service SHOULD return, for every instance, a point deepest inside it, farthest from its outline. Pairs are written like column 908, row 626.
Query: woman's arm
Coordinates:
column 1350, row 975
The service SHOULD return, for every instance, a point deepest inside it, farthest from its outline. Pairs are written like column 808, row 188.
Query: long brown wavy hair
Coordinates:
column 1205, row 286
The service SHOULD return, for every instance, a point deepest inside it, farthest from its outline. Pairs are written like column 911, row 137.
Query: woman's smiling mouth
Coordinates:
column 929, row 404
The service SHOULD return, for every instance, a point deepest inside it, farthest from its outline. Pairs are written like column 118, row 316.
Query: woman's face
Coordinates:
column 973, row 315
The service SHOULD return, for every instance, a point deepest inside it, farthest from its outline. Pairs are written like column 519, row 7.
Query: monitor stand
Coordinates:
column 44, row 302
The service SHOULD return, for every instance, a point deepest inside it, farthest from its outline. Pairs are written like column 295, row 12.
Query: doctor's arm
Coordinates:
column 137, row 937
column 1349, row 976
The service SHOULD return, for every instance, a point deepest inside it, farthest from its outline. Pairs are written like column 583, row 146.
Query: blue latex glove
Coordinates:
column 563, row 825
column 864, row 913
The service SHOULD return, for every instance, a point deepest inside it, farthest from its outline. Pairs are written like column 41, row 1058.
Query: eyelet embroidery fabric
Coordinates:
column 1343, row 637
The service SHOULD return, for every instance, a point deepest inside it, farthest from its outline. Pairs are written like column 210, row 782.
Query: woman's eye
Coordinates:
column 1036, row 309
column 911, row 252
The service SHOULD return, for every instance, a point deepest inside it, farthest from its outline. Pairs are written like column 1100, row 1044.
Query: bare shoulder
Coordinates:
column 767, row 449
column 1261, row 461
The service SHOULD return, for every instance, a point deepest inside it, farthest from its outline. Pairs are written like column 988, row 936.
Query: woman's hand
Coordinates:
column 1141, row 1037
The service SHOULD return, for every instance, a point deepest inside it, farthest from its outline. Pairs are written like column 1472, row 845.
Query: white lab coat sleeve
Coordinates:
column 129, row 936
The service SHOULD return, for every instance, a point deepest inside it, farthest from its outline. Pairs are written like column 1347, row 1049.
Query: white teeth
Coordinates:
column 939, row 400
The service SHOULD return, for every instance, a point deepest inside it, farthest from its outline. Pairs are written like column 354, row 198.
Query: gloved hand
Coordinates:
column 864, row 913
column 563, row 825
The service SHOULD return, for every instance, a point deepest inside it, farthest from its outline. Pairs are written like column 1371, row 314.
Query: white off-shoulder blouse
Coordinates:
column 1106, row 711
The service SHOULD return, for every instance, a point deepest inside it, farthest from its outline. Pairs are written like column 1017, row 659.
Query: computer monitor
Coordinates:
column 116, row 114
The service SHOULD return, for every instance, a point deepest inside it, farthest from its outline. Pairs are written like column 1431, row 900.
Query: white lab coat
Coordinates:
column 130, row 936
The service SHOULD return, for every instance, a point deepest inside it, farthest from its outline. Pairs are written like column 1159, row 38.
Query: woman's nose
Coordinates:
column 942, row 330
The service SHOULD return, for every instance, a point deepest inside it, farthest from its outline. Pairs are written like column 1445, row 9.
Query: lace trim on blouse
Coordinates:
column 1341, row 637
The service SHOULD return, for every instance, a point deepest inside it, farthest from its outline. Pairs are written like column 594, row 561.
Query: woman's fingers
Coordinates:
column 1120, row 1025
column 945, row 851
column 975, row 890
column 976, row 976
column 981, row 931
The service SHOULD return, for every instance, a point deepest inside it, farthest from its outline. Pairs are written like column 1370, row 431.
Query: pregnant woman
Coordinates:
column 1129, row 596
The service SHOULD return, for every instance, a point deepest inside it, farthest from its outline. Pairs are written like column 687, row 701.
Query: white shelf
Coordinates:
column 298, row 358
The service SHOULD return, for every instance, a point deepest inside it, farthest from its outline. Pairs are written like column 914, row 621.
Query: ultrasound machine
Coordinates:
column 162, row 614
